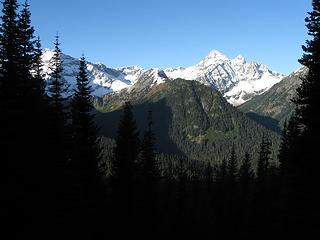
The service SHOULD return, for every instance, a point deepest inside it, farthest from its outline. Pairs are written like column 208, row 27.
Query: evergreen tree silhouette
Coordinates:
column 246, row 177
column 232, row 167
column 263, row 160
column 245, row 173
column 10, row 89
column 59, row 142
column 87, row 183
column 261, row 204
column 59, row 115
column 10, row 100
column 150, row 172
column 308, row 117
column 22, row 125
column 231, row 194
column 124, row 166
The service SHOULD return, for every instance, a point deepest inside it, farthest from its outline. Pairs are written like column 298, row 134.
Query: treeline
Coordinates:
column 54, row 172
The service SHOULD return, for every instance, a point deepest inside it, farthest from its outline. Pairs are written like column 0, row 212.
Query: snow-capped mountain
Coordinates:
column 103, row 80
column 236, row 79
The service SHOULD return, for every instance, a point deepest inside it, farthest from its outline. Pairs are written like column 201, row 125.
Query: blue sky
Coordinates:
column 171, row 33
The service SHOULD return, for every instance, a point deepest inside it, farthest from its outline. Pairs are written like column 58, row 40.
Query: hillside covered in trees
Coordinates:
column 182, row 162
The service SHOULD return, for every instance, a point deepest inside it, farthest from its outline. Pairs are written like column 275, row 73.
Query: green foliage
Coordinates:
column 191, row 119
column 275, row 106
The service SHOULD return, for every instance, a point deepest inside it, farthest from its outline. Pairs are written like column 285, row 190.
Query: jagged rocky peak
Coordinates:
column 237, row 80
column 215, row 54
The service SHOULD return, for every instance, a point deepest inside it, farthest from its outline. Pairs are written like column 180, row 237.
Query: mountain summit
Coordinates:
column 237, row 80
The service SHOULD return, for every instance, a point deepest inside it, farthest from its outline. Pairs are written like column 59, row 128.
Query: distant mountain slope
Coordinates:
column 190, row 119
column 237, row 80
column 275, row 106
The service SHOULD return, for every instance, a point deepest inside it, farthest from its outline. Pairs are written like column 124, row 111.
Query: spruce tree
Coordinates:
column 124, row 165
column 58, row 113
column 263, row 160
column 21, row 123
column 150, row 176
column 232, row 167
column 307, row 101
column 147, row 155
column 39, row 83
column 127, row 143
column 27, row 41
column 85, row 155
column 10, row 100
column 261, row 204
column 289, row 148
column 10, row 77
column 245, row 173
column 299, row 153
column 84, row 131
column 246, row 177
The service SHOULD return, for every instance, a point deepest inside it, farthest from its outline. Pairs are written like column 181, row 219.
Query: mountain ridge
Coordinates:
column 236, row 79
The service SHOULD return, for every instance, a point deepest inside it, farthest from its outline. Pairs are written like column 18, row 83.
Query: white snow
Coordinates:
column 236, row 79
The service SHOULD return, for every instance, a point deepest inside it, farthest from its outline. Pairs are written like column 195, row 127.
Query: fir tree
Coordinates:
column 27, row 41
column 264, row 159
column 86, row 182
column 245, row 173
column 232, row 167
column 147, row 155
column 84, row 130
column 307, row 100
column 37, row 69
column 57, row 102
column 56, row 86
column 10, row 78
column 150, row 172
column 261, row 187
column 124, row 165
column 299, row 153
column 127, row 142
column 289, row 148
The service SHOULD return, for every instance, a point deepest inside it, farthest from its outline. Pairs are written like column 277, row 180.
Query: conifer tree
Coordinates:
column 147, row 155
column 308, row 112
column 9, row 75
column 27, row 41
column 307, row 100
column 127, row 142
column 10, row 91
column 289, row 149
column 86, row 180
column 84, row 130
column 263, row 160
column 299, row 152
column 232, row 167
column 124, row 165
column 56, row 86
column 38, row 77
column 57, row 102
column 261, row 204
column 150, row 175
column 21, row 113
column 245, row 172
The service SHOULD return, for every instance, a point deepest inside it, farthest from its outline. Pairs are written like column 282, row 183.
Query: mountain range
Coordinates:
column 199, row 112
column 237, row 80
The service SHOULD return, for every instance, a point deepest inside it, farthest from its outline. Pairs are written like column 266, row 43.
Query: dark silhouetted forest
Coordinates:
column 61, row 180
